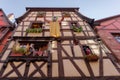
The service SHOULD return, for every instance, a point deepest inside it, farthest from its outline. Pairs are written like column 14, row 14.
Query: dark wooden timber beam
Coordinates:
column 53, row 38
column 52, row 8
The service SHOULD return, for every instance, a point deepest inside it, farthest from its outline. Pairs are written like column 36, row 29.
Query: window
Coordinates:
column 36, row 25
column 37, row 44
column 35, row 28
column 32, row 48
column 116, row 36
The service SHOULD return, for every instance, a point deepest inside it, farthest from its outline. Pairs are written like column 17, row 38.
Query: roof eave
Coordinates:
column 107, row 18
column 53, row 8
column 21, row 17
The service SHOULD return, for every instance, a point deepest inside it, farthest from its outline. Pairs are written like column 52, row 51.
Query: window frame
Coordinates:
column 114, row 34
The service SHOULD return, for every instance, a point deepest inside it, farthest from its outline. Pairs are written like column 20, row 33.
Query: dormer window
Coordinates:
column 116, row 36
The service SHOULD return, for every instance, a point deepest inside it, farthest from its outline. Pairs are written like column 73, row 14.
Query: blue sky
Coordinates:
column 96, row 9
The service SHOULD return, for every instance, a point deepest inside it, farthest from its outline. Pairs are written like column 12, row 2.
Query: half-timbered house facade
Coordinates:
column 56, row 44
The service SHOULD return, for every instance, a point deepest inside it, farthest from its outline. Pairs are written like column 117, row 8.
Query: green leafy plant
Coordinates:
column 27, row 30
column 77, row 29
column 22, row 50
column 34, row 30
column 39, row 30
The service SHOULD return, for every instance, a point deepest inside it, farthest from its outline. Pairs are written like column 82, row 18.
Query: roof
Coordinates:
column 53, row 8
column 4, row 22
column 112, row 22
column 108, row 18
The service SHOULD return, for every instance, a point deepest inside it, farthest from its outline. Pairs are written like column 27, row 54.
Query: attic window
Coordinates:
column 116, row 36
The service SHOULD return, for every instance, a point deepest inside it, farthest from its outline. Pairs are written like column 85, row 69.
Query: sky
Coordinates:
column 95, row 9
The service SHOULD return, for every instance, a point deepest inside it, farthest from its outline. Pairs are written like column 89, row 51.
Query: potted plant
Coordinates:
column 27, row 49
column 66, row 14
column 18, row 50
column 14, row 49
column 91, row 57
column 77, row 29
column 24, row 50
column 41, row 14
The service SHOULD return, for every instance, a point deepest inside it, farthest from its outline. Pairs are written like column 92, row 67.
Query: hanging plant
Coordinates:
column 77, row 29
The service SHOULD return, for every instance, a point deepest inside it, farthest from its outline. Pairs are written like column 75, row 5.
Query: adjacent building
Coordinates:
column 109, row 32
column 56, row 44
column 6, row 28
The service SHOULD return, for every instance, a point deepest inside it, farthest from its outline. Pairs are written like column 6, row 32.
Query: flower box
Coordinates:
column 34, row 30
column 16, row 54
column 34, row 34
column 41, row 14
column 91, row 57
column 66, row 14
